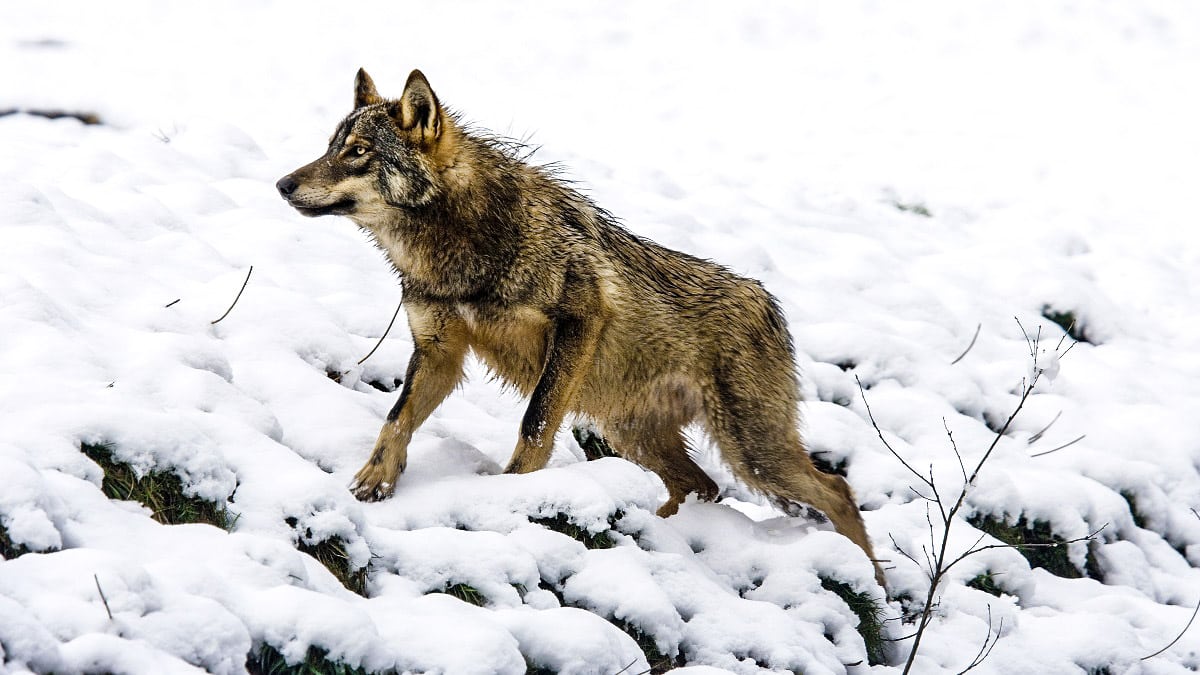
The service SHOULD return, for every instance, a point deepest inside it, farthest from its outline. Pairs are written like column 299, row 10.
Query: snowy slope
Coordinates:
column 898, row 175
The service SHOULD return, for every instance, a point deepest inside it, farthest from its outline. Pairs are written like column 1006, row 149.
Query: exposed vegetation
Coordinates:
column 467, row 593
column 659, row 662
column 267, row 660
column 160, row 491
column 915, row 208
column 870, row 617
column 1068, row 321
column 824, row 465
column 88, row 118
column 332, row 554
column 986, row 582
column 1036, row 541
column 9, row 550
column 562, row 524
column 594, row 445
column 1138, row 518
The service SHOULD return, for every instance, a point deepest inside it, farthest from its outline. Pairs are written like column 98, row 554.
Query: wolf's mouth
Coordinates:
column 339, row 208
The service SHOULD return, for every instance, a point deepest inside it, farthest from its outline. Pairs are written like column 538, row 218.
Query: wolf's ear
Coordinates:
column 417, row 110
column 364, row 90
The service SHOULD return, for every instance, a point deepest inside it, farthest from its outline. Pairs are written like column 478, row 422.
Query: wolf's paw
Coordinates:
column 375, row 481
column 528, row 457
column 517, row 466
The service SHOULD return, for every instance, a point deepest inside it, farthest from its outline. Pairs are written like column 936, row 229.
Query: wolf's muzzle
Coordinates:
column 286, row 186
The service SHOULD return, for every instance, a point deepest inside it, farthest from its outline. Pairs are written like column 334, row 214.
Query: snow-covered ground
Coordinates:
column 897, row 173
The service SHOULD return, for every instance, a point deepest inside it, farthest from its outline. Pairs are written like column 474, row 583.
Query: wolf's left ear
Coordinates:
column 364, row 90
column 417, row 109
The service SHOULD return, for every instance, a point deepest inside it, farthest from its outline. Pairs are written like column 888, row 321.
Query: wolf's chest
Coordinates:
column 512, row 341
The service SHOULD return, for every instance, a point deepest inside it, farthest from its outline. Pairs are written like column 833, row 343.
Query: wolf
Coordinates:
column 503, row 258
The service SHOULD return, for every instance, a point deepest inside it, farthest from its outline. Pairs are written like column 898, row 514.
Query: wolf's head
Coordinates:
column 383, row 156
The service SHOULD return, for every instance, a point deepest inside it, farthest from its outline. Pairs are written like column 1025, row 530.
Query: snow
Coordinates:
column 1052, row 146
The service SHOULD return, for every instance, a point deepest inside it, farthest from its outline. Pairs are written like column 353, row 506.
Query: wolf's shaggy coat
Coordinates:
column 499, row 257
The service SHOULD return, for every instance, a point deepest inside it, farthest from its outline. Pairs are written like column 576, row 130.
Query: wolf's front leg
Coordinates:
column 567, row 361
column 435, row 368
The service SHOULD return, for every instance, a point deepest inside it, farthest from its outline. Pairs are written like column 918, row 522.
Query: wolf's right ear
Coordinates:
column 417, row 110
column 364, row 90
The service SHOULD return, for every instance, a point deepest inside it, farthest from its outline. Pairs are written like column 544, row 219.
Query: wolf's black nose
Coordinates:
column 286, row 186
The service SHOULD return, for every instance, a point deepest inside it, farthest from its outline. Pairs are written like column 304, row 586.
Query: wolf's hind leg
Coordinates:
column 760, row 441
column 663, row 449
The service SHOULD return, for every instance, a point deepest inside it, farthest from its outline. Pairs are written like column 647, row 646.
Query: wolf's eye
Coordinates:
column 360, row 150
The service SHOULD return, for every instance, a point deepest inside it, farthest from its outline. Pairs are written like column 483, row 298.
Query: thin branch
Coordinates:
column 973, row 338
column 982, row 648
column 1177, row 637
column 1036, row 437
column 904, row 553
column 105, row 600
column 879, row 431
column 972, row 546
column 1185, row 628
column 385, row 334
column 917, row 493
column 932, row 537
column 626, row 667
column 986, row 650
column 1025, row 393
column 937, row 564
column 239, row 296
column 1020, row 547
column 1029, row 342
column 954, row 446
column 940, row 504
column 172, row 303
column 1064, row 445
column 1065, row 334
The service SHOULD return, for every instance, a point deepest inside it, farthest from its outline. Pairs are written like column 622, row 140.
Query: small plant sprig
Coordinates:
column 938, row 560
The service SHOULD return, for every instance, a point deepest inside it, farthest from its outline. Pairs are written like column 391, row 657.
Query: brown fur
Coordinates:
column 500, row 258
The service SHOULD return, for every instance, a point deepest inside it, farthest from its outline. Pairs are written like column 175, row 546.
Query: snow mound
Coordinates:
column 913, row 179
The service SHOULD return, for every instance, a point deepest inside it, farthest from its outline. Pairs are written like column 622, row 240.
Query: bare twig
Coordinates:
column 105, row 600
column 954, row 446
column 975, row 548
column 626, row 667
column 937, row 555
column 1037, row 436
column 1031, row 342
column 917, row 493
column 986, row 649
column 239, row 296
column 1185, row 628
column 1064, row 445
column 1177, row 637
column 879, row 431
column 969, row 346
column 385, row 334
column 172, row 303
column 902, row 551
